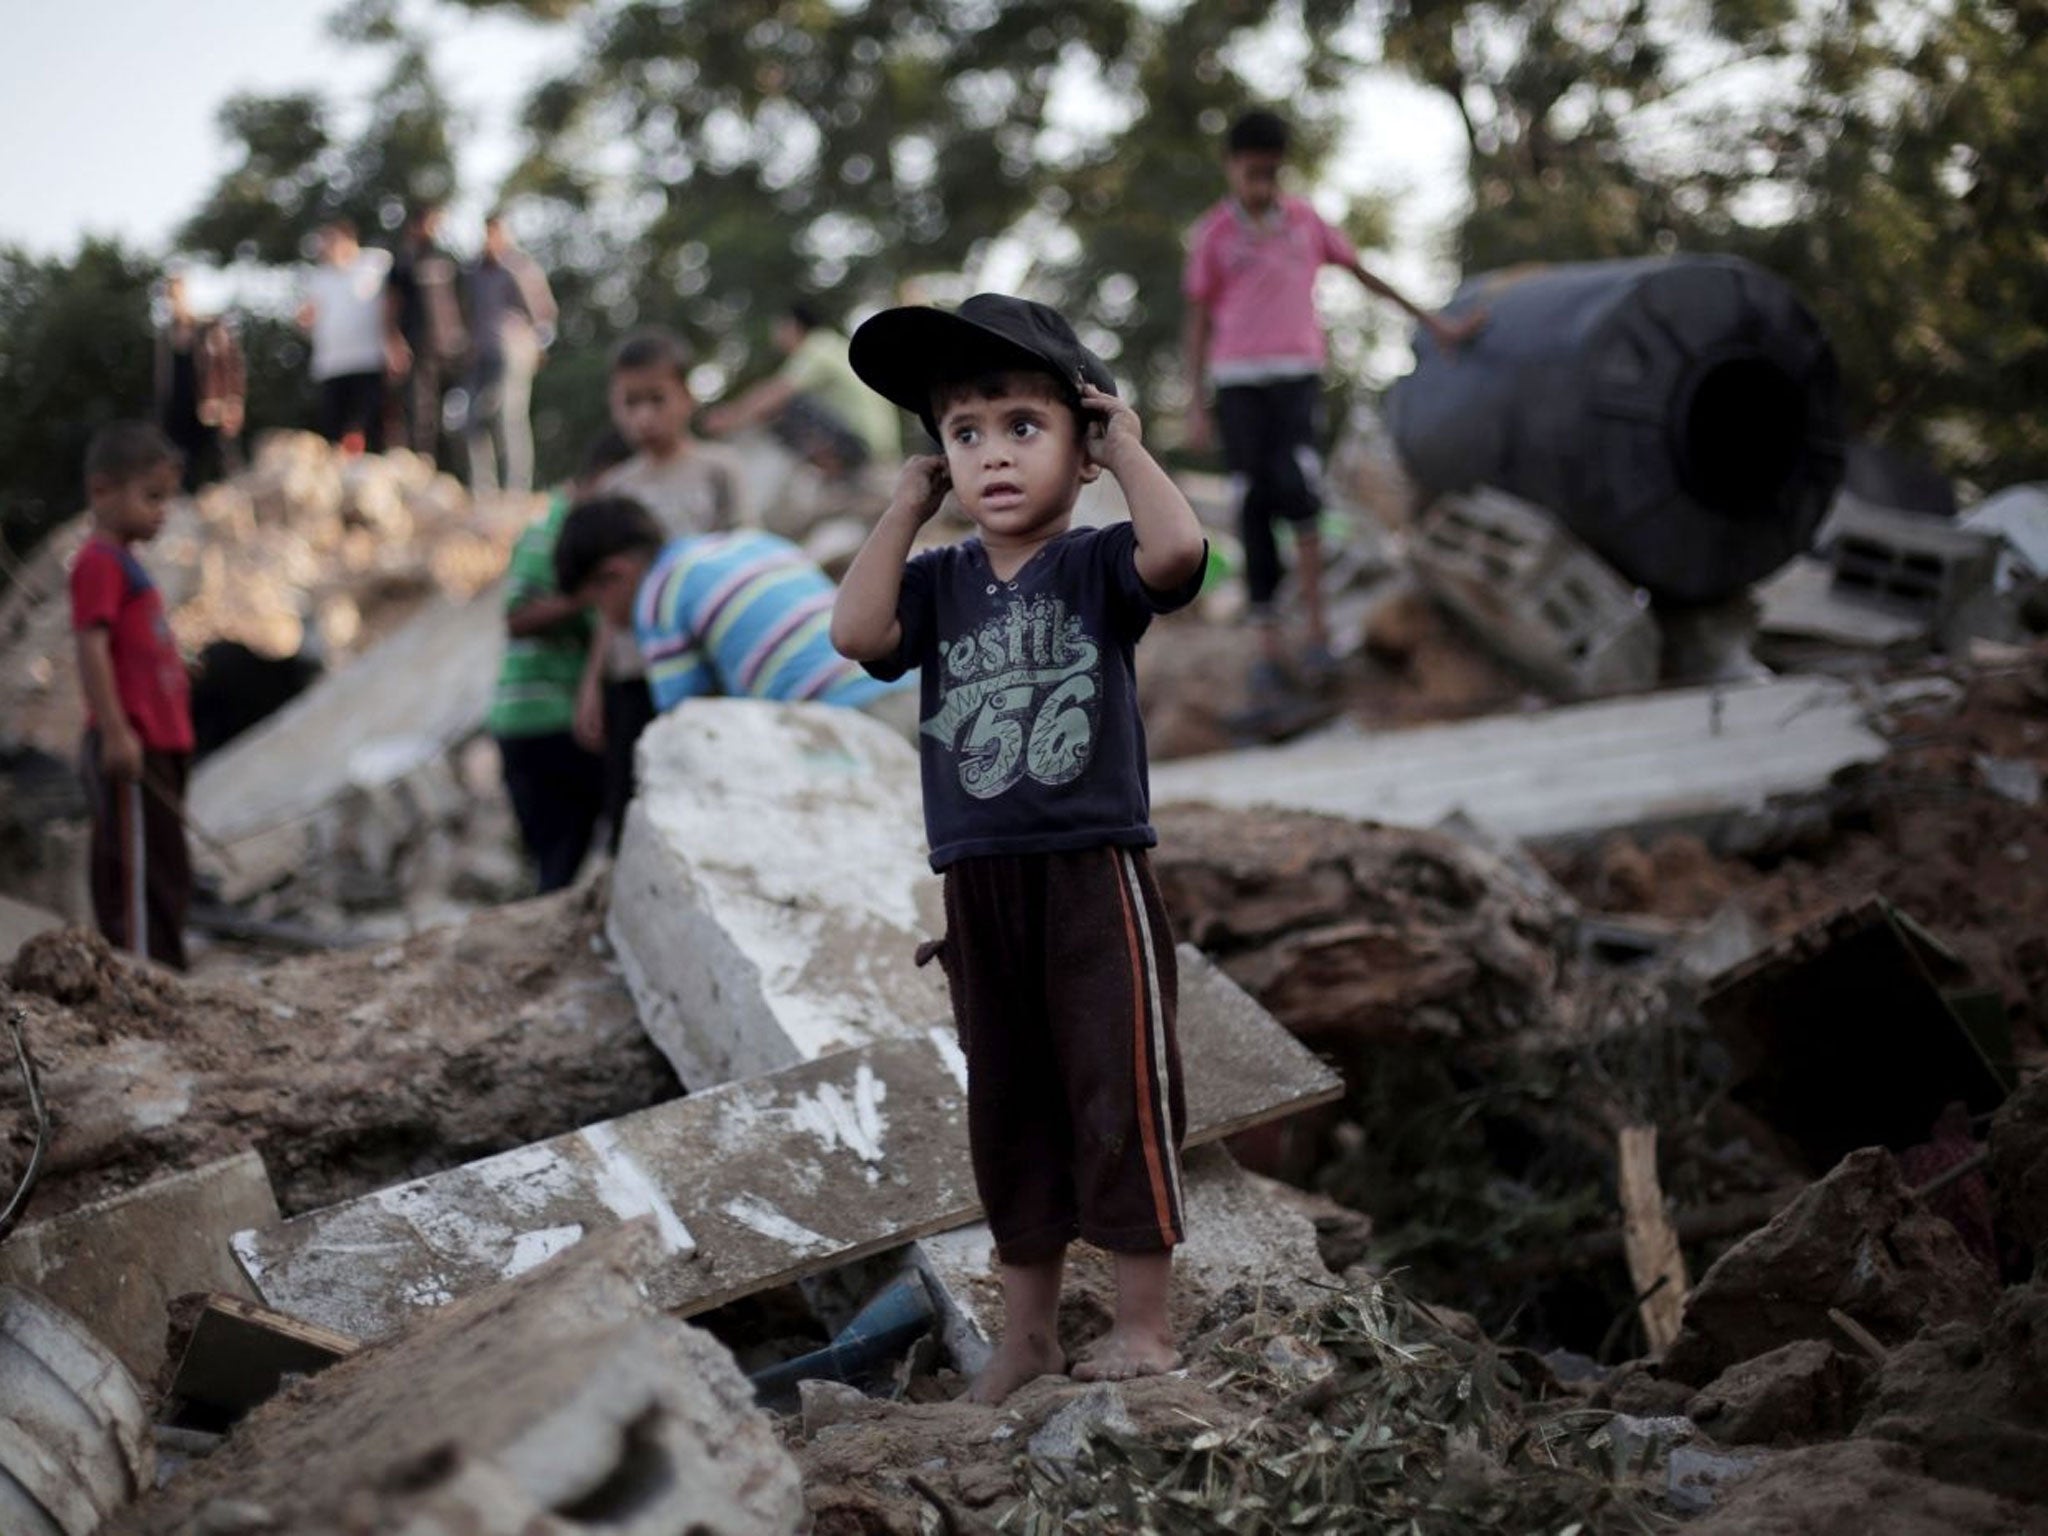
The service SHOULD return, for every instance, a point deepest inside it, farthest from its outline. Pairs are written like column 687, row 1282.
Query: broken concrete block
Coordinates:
column 1521, row 581
column 753, row 1183
column 74, row 1436
column 1858, row 1241
column 561, row 1402
column 306, row 777
column 1696, row 759
column 772, row 890
column 120, row 1261
column 1924, row 567
column 1803, row 1391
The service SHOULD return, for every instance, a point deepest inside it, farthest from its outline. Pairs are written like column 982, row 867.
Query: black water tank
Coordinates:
column 1682, row 416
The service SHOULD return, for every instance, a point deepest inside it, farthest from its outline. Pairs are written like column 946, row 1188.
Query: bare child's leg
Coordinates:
column 1031, row 1343
column 1141, row 1342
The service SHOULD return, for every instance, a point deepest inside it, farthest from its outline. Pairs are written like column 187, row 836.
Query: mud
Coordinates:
column 347, row 1071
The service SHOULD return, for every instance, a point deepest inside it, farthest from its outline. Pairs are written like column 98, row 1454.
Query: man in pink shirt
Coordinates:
column 1252, row 334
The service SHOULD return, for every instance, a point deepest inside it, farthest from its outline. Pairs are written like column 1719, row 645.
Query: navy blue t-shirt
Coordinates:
column 1029, row 735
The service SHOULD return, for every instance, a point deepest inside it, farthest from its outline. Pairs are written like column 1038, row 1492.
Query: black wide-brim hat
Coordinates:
column 904, row 354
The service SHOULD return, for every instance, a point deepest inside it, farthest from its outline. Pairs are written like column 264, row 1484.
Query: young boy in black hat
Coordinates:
column 1057, row 951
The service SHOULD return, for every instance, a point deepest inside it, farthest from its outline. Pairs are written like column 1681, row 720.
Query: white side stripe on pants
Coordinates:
column 1162, row 1112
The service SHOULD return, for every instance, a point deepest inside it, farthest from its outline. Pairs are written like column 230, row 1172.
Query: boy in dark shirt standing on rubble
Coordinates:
column 1057, row 951
column 138, row 740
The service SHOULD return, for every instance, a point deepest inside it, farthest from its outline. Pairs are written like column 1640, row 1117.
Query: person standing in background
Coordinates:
column 511, row 322
column 355, row 343
column 426, row 310
column 201, row 382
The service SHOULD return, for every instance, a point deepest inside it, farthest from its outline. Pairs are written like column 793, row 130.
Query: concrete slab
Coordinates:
column 771, row 889
column 1686, row 758
column 274, row 793
column 751, row 1184
column 558, row 1404
column 74, row 1436
column 119, row 1262
column 19, row 922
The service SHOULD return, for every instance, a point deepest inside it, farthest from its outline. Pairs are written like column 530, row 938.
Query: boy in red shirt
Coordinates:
column 138, row 740
column 1252, row 335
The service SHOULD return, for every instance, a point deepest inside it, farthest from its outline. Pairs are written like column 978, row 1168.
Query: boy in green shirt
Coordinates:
column 556, row 785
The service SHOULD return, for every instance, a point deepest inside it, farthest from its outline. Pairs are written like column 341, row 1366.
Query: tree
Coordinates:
column 1878, row 155
column 705, row 162
column 294, row 173
column 75, row 354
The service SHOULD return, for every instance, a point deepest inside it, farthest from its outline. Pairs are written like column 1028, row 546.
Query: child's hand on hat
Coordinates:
column 1116, row 428
column 923, row 486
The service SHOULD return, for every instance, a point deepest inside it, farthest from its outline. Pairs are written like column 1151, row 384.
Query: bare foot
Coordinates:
column 1013, row 1365
column 1123, row 1353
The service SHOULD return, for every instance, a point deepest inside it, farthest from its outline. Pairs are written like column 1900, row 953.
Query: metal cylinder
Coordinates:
column 1683, row 417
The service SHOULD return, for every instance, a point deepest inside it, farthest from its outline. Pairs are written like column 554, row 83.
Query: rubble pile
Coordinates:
column 349, row 1071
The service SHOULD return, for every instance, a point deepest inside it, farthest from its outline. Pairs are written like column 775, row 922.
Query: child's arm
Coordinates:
column 864, row 623
column 120, row 747
column 1170, row 543
column 1448, row 334
column 539, row 614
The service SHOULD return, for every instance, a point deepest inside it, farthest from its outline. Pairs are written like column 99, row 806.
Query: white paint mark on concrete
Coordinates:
column 758, row 1215
column 947, row 1044
column 852, row 1121
column 426, row 1291
column 531, row 1248
column 627, row 1191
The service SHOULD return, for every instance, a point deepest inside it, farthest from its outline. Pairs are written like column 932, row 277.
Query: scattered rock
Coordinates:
column 1800, row 1392
column 1694, row 1476
column 1853, row 1488
column 821, row 1404
column 2019, row 1169
column 1973, row 1402
column 1639, row 1388
column 1060, row 1440
column 1856, row 1240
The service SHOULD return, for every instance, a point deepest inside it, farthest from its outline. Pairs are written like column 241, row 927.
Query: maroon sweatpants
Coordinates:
column 141, row 868
column 1062, row 975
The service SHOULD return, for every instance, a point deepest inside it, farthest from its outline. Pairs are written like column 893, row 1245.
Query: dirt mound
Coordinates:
column 348, row 1071
column 1380, row 932
column 1924, row 828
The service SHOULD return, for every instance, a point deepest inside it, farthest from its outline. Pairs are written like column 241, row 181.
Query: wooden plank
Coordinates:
column 238, row 1353
column 1656, row 1264
column 751, row 1184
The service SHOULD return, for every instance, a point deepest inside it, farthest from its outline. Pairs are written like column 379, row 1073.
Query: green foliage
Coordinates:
column 1372, row 1415
column 1880, row 156
column 294, row 173
column 705, row 163
column 75, row 354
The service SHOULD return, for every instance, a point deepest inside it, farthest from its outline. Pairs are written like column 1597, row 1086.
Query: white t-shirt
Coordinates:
column 348, row 315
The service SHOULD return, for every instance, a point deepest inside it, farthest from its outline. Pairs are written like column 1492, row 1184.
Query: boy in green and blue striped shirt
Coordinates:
column 556, row 786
